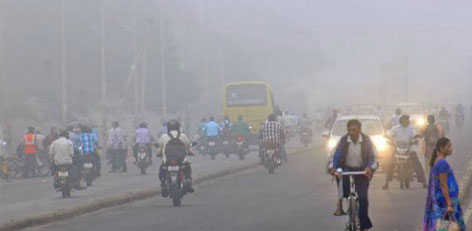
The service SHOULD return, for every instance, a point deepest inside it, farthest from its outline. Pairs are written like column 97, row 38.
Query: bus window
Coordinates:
column 246, row 95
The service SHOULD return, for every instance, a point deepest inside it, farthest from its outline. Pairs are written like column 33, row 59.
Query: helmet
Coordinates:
column 173, row 125
column 142, row 124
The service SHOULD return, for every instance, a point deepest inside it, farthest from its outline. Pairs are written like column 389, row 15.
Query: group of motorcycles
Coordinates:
column 226, row 145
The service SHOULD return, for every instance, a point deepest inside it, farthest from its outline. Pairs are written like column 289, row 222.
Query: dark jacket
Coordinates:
column 368, row 153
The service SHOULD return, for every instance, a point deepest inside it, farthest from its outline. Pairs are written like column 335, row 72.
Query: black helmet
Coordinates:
column 142, row 124
column 173, row 125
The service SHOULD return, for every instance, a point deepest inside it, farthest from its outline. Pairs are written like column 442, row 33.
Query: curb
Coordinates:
column 98, row 204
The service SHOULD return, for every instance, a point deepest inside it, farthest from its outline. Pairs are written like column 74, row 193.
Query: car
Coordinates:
column 416, row 113
column 371, row 126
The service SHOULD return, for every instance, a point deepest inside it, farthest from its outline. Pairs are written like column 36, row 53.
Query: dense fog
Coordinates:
column 93, row 60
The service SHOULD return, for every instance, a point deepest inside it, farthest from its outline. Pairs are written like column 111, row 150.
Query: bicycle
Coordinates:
column 9, row 168
column 352, row 222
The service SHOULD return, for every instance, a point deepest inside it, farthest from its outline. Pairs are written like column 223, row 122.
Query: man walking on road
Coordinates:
column 356, row 152
column 30, row 149
column 117, row 141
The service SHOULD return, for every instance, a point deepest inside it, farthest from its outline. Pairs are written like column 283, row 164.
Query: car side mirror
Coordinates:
column 325, row 133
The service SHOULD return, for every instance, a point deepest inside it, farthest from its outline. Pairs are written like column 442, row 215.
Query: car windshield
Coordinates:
column 411, row 109
column 370, row 127
column 246, row 95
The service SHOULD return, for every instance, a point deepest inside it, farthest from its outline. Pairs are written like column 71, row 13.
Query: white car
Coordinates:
column 371, row 126
column 416, row 113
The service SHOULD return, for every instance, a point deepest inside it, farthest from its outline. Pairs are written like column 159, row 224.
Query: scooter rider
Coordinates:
column 405, row 132
column 61, row 152
column 143, row 136
column 174, row 141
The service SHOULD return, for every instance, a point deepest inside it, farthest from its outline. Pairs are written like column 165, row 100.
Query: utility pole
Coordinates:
column 144, row 67
column 63, row 67
column 104, row 106
column 163, row 62
column 5, row 103
column 134, row 67
column 207, row 58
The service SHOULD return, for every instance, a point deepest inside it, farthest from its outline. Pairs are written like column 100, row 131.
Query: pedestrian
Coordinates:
column 30, row 149
column 116, row 142
column 443, row 191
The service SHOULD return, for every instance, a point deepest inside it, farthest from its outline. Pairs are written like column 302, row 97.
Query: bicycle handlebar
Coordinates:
column 353, row 173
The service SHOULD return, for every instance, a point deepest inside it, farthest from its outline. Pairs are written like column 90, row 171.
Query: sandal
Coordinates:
column 339, row 212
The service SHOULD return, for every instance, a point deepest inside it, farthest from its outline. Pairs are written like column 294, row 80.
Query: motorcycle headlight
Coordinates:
column 420, row 122
column 380, row 144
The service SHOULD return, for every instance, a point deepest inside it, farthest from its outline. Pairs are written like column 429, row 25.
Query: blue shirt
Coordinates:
column 88, row 141
column 75, row 140
column 212, row 129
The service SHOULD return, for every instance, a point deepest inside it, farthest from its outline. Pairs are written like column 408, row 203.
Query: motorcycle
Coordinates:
column 226, row 146
column 271, row 156
column 175, row 184
column 64, row 182
column 241, row 147
column 305, row 136
column 143, row 158
column 404, row 165
column 89, row 172
column 211, row 147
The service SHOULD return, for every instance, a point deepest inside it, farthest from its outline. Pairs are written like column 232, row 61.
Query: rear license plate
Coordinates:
column 173, row 168
column 63, row 174
column 270, row 151
column 88, row 165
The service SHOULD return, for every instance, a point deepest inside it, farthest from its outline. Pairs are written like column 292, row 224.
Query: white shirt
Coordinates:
column 164, row 139
column 402, row 133
column 62, row 151
column 354, row 155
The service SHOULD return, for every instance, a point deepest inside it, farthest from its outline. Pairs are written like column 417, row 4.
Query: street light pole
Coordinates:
column 163, row 62
column 5, row 103
column 63, row 67
column 103, row 70
column 134, row 67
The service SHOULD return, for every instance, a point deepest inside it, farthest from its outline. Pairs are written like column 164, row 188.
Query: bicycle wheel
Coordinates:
column 10, row 169
column 43, row 167
column 353, row 215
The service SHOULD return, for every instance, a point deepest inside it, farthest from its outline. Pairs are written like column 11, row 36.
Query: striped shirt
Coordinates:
column 272, row 131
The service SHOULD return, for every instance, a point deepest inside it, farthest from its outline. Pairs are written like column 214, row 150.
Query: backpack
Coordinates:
column 175, row 148
column 432, row 135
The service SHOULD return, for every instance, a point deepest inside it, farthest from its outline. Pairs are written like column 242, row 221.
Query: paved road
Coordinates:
column 298, row 197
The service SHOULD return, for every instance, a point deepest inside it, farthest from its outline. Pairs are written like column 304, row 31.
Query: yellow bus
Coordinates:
column 253, row 100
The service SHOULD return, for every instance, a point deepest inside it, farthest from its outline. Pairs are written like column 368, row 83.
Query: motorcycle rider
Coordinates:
column 396, row 118
column 226, row 126
column 61, row 152
column 180, row 142
column 89, row 142
column 305, row 125
column 460, row 114
column 273, row 131
column 355, row 152
column 212, row 130
column 29, row 149
column 143, row 136
column 117, row 145
column 241, row 128
column 432, row 134
column 405, row 132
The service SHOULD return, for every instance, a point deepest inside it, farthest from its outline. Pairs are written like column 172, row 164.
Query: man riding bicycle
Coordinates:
column 355, row 152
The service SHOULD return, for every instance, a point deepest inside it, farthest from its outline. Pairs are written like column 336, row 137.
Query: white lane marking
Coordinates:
column 468, row 213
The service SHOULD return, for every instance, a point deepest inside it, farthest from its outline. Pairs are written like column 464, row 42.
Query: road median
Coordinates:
column 102, row 203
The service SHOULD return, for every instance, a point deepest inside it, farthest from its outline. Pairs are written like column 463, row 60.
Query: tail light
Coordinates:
column 240, row 138
column 173, row 162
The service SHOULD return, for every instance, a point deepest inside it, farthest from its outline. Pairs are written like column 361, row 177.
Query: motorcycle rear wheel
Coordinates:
column 176, row 197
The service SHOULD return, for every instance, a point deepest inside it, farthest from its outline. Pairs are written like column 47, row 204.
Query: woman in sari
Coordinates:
column 443, row 191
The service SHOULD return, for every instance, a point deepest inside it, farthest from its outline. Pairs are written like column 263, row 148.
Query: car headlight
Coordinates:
column 380, row 144
column 420, row 122
column 332, row 144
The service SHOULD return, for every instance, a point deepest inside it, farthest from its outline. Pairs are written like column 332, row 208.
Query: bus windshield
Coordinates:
column 246, row 95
